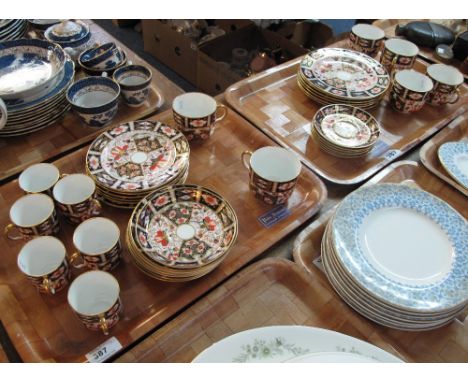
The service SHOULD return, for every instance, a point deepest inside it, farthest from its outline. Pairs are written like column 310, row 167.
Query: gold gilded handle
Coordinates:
column 223, row 114
column 7, row 230
column 244, row 159
column 63, row 176
column 47, row 286
column 72, row 259
column 97, row 204
column 457, row 97
column 103, row 325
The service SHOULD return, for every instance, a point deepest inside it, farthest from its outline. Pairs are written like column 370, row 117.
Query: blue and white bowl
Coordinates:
column 134, row 81
column 95, row 55
column 28, row 67
column 95, row 100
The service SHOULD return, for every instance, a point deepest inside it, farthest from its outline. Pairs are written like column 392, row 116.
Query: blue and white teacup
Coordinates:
column 95, row 99
column 95, row 55
column 134, row 81
column 115, row 57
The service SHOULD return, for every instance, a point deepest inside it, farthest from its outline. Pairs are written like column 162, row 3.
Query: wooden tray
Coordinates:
column 269, row 292
column 44, row 328
column 70, row 132
column 457, row 130
column 273, row 101
column 447, row 344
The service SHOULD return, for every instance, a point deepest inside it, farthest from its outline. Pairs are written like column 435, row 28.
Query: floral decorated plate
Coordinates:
column 184, row 226
column 136, row 156
column 454, row 158
column 347, row 126
column 345, row 74
column 287, row 343
column 379, row 234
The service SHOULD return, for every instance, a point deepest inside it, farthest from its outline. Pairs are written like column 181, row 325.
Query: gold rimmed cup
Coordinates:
column 196, row 115
column 43, row 260
column 398, row 54
column 97, row 241
column 94, row 297
column 410, row 90
column 32, row 215
column 273, row 173
column 447, row 81
column 366, row 38
column 39, row 177
column 75, row 197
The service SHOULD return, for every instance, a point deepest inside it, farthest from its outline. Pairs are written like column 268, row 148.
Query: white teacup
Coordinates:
column 94, row 296
column 98, row 243
column 75, row 199
column 40, row 177
column 43, row 260
column 447, row 81
column 398, row 54
column 33, row 215
column 273, row 173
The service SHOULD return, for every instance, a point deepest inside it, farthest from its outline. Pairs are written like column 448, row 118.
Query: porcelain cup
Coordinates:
column 366, row 38
column 398, row 54
column 447, row 81
column 134, row 82
column 94, row 297
column 410, row 90
column 39, row 177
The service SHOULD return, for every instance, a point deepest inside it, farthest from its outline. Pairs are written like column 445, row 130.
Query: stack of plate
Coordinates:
column 332, row 75
column 345, row 131
column 180, row 233
column 12, row 29
column 133, row 159
column 297, row 344
column 454, row 158
column 34, row 77
column 399, row 256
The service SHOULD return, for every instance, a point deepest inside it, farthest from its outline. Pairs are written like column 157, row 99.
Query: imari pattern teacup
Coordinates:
column 98, row 243
column 32, row 215
column 75, row 197
column 410, row 90
column 40, row 177
column 195, row 115
column 94, row 296
column 398, row 54
column 366, row 38
column 447, row 81
column 43, row 260
column 273, row 173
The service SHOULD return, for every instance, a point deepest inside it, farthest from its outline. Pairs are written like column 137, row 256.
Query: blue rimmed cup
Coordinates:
column 134, row 81
column 95, row 100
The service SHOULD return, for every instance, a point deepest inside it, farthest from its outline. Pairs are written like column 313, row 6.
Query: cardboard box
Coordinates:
column 174, row 49
column 214, row 77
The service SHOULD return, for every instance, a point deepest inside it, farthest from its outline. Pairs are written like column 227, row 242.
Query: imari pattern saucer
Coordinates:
column 137, row 156
column 184, row 227
column 454, row 158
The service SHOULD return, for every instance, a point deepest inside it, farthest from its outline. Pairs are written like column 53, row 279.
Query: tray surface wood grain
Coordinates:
column 44, row 328
column 447, row 344
column 273, row 102
column 269, row 292
column 456, row 131
column 70, row 132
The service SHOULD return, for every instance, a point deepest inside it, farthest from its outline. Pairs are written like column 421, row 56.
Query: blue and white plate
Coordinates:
column 404, row 246
column 454, row 158
column 28, row 67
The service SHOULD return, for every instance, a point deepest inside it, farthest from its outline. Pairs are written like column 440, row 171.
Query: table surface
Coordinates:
column 70, row 133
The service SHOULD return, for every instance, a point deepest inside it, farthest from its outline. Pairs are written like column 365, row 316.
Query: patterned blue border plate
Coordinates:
column 350, row 214
column 448, row 152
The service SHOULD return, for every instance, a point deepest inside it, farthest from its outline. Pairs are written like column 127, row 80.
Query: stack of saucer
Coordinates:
column 398, row 255
column 180, row 233
column 332, row 75
column 12, row 29
column 345, row 131
column 133, row 159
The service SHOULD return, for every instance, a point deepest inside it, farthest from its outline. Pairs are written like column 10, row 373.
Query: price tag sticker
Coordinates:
column 392, row 154
column 274, row 216
column 104, row 351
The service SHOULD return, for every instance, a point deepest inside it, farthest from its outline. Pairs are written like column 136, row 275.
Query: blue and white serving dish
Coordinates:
column 454, row 158
column 29, row 67
column 95, row 100
column 406, row 249
column 134, row 81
